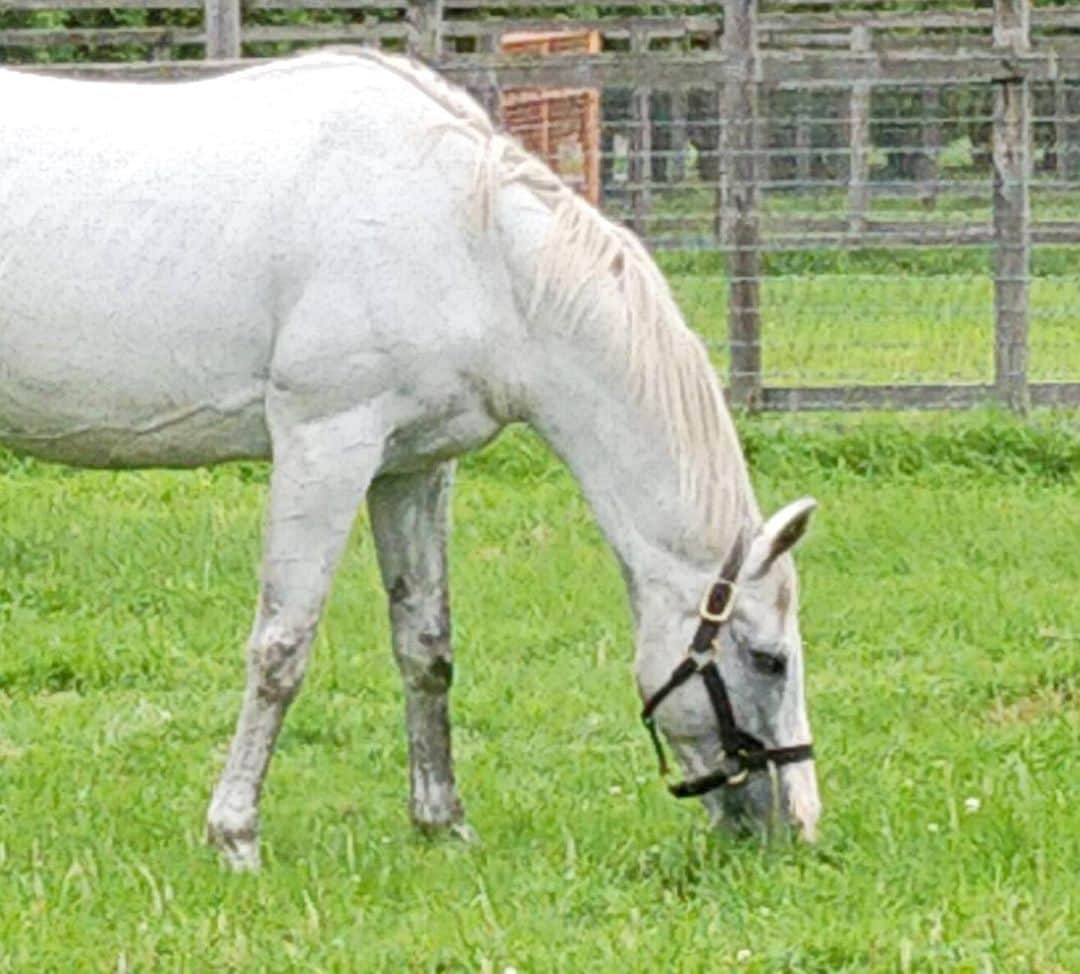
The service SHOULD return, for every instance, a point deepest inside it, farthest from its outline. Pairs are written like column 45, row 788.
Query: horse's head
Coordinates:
column 733, row 707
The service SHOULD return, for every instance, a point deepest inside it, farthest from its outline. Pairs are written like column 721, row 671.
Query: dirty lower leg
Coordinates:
column 409, row 517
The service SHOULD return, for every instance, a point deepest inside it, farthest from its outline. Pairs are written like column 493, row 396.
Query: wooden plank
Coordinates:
column 931, row 139
column 1012, row 211
column 326, row 33
column 13, row 5
column 1054, row 393
column 920, row 20
column 704, row 69
column 680, row 111
column 1061, row 130
column 489, row 93
column 592, row 123
column 381, row 5
column 862, row 4
column 425, row 19
column 622, row 28
column 163, row 71
column 99, row 36
column 921, row 396
column 641, row 147
column 222, row 24
column 803, row 138
column 529, row 4
column 858, row 397
column 794, row 234
column 741, row 201
column 859, row 140
column 898, row 68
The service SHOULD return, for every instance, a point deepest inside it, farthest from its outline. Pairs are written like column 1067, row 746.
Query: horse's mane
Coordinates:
column 666, row 364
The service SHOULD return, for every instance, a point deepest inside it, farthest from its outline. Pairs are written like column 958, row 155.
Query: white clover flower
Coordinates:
column 743, row 955
column 972, row 805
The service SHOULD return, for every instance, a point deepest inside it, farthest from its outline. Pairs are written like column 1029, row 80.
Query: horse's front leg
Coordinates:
column 410, row 521
column 322, row 468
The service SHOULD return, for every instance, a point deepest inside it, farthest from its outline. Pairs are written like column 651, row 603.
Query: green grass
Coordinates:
column 942, row 626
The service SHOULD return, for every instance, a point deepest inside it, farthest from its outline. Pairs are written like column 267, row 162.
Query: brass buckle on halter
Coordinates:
column 718, row 618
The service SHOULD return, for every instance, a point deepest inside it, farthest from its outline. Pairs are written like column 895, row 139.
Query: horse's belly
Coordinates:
column 225, row 425
column 95, row 371
column 90, row 391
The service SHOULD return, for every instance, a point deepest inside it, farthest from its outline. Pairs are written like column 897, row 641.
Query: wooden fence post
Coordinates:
column 928, row 168
column 425, row 33
column 490, row 95
column 679, row 140
column 859, row 136
column 1062, row 149
column 804, row 109
column 221, row 20
column 641, row 148
column 741, row 200
column 1012, row 211
column 713, row 162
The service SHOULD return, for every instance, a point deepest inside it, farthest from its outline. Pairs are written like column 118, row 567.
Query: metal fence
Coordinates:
column 859, row 206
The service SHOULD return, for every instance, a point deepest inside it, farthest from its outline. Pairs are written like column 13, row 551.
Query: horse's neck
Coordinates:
column 622, row 457
column 593, row 397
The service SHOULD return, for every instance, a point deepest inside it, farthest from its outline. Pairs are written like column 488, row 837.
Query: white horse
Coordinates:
column 336, row 262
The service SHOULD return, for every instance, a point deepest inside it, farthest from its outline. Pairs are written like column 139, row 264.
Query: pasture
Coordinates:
column 942, row 626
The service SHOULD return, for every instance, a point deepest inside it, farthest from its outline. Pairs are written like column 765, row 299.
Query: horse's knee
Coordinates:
column 278, row 658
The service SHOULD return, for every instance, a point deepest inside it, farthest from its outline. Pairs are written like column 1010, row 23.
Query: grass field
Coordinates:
column 943, row 632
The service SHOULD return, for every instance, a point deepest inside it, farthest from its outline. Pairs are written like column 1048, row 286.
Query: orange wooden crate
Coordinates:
column 561, row 125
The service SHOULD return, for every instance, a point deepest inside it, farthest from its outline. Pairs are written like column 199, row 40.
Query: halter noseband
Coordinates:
column 743, row 750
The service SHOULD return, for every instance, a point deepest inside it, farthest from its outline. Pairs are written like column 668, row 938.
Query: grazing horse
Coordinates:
column 337, row 263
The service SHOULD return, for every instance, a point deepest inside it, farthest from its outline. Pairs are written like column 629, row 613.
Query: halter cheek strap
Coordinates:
column 746, row 752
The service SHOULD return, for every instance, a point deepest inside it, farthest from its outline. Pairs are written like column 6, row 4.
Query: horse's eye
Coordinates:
column 768, row 664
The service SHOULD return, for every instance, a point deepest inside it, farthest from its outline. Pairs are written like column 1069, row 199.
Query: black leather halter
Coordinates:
column 743, row 752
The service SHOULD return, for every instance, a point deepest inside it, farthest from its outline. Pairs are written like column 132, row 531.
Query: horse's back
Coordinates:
column 156, row 238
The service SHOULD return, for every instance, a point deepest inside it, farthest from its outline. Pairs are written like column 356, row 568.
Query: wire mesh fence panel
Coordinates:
column 879, row 276
column 1055, row 203
column 858, row 203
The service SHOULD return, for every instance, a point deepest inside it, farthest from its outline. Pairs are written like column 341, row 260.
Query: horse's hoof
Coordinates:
column 238, row 846
column 463, row 832
column 455, row 828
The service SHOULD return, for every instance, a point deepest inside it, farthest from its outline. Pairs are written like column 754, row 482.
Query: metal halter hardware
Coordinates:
column 749, row 753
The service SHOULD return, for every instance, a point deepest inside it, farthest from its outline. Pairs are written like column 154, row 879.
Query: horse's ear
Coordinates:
column 778, row 534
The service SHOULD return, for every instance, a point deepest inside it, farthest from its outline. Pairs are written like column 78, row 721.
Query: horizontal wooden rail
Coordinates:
column 610, row 4
column 920, row 20
column 379, row 5
column 30, row 5
column 655, row 28
column 796, row 234
column 922, row 396
column 101, row 36
column 324, row 33
column 669, row 70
